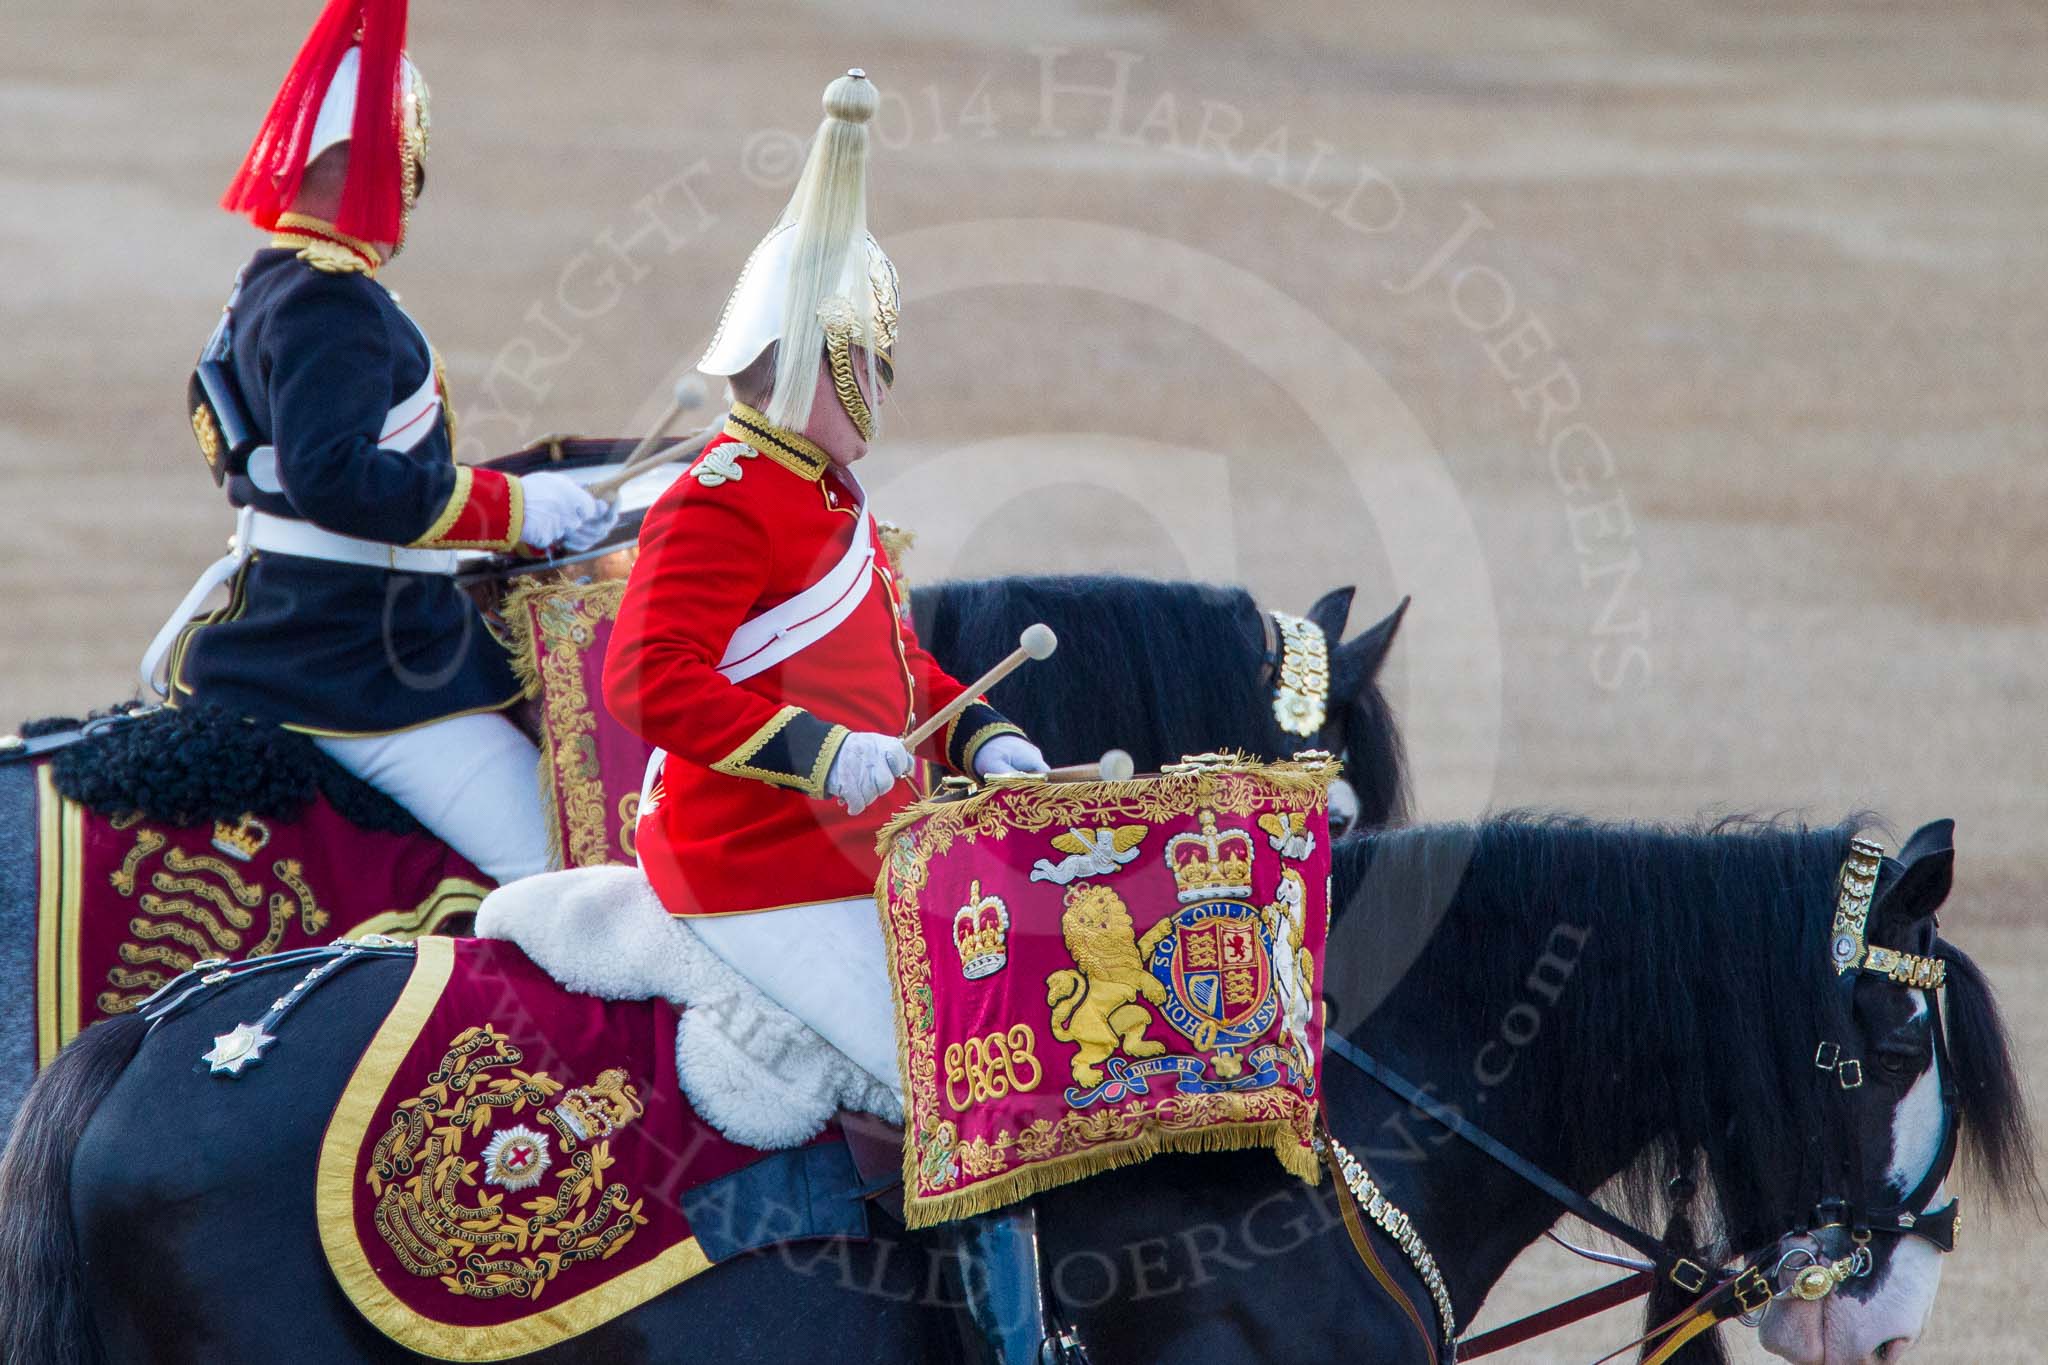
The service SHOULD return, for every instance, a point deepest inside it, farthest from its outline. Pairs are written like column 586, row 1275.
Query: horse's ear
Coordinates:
column 1331, row 612
column 1936, row 836
column 1927, row 866
column 1357, row 662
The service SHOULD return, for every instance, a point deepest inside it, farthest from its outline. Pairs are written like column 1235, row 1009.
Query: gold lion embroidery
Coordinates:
column 1097, row 1006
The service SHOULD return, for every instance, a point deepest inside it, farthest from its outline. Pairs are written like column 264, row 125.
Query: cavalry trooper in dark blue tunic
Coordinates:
column 321, row 407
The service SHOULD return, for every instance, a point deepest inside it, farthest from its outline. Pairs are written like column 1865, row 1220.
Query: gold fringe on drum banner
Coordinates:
column 1226, row 783
column 1041, row 1176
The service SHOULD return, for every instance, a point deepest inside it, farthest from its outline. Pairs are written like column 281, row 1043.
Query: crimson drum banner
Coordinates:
column 1090, row 972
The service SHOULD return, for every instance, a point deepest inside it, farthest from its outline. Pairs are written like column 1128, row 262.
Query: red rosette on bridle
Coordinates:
column 371, row 202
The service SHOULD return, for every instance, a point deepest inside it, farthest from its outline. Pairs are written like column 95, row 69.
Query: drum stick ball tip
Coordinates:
column 1117, row 766
column 1037, row 642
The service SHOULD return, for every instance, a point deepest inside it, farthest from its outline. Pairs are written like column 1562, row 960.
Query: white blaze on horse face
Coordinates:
column 1896, row 1312
column 1842, row 1330
column 1917, row 1122
column 1904, row 1295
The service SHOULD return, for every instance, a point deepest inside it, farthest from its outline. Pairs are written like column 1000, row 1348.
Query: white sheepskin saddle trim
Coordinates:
column 752, row 1069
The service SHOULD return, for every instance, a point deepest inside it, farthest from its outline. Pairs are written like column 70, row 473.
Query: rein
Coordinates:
column 1719, row 1293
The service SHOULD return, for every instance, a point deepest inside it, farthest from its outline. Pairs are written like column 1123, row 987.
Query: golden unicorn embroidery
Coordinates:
column 1097, row 1006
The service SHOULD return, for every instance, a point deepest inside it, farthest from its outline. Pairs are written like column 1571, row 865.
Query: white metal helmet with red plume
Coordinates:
column 351, row 82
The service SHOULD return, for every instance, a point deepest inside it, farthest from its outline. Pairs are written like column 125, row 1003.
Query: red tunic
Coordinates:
column 741, row 821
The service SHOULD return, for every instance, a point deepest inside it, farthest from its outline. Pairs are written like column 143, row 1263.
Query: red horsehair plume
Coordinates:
column 371, row 201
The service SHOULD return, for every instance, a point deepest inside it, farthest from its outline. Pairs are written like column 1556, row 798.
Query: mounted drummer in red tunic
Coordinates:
column 764, row 647
column 321, row 409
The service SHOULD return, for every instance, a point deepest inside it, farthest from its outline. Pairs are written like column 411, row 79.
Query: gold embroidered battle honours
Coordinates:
column 436, row 1206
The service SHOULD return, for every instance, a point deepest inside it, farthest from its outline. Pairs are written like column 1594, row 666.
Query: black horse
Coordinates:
column 1619, row 1001
column 1191, row 666
column 1166, row 669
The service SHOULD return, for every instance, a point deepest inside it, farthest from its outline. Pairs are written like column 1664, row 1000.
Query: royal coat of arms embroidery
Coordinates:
column 1180, row 986
column 1215, row 962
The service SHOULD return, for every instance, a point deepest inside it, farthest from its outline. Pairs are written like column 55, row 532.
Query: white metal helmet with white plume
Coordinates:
column 818, row 281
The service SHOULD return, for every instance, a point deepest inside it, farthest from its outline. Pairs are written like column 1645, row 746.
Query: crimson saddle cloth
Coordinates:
column 513, row 1164
column 126, row 903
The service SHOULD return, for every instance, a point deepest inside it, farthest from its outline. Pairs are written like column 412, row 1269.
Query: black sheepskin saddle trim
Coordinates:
column 194, row 765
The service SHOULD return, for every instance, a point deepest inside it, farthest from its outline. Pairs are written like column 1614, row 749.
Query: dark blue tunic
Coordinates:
column 310, row 644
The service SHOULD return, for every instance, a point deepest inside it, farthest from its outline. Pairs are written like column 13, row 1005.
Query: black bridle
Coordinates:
column 1854, row 959
column 1790, row 1265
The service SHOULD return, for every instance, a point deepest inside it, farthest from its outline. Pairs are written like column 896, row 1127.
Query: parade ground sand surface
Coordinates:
column 1686, row 363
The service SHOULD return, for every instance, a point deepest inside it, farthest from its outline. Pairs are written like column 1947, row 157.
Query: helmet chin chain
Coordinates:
column 412, row 159
column 842, row 329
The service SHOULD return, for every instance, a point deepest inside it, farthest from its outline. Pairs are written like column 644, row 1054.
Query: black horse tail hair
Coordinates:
column 43, row 1302
column 1667, row 1301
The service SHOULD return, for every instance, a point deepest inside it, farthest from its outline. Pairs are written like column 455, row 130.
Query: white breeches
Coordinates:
column 824, row 963
column 472, row 780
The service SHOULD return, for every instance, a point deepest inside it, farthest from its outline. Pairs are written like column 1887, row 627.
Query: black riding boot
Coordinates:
column 1005, row 1292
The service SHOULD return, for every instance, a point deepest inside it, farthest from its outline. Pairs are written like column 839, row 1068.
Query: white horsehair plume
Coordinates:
column 829, row 215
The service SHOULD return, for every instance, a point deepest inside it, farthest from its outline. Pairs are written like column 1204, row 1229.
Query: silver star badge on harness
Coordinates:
column 237, row 1048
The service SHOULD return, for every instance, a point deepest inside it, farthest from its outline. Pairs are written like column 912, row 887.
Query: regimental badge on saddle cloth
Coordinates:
column 1154, row 989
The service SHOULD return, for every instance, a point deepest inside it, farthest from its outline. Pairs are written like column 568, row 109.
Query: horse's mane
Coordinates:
column 1183, row 655
column 1186, row 657
column 1702, row 973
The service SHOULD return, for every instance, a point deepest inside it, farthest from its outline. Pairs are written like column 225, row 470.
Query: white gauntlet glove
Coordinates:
column 1008, row 754
column 559, row 512
column 865, row 767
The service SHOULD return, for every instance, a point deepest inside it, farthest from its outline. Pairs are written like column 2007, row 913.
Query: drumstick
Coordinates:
column 1037, row 642
column 1114, row 766
column 689, row 392
column 686, row 448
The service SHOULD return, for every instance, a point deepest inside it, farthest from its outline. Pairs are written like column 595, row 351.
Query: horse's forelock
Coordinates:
column 1997, row 1134
column 1375, row 761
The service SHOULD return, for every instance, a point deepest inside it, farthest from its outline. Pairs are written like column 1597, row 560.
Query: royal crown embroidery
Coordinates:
column 241, row 841
column 1211, row 864
column 601, row 1108
column 980, row 931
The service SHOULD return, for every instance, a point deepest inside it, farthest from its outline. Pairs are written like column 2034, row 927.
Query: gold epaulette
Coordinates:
column 330, row 259
column 322, row 247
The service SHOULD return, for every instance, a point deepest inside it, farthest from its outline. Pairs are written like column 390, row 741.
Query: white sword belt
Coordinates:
column 404, row 427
